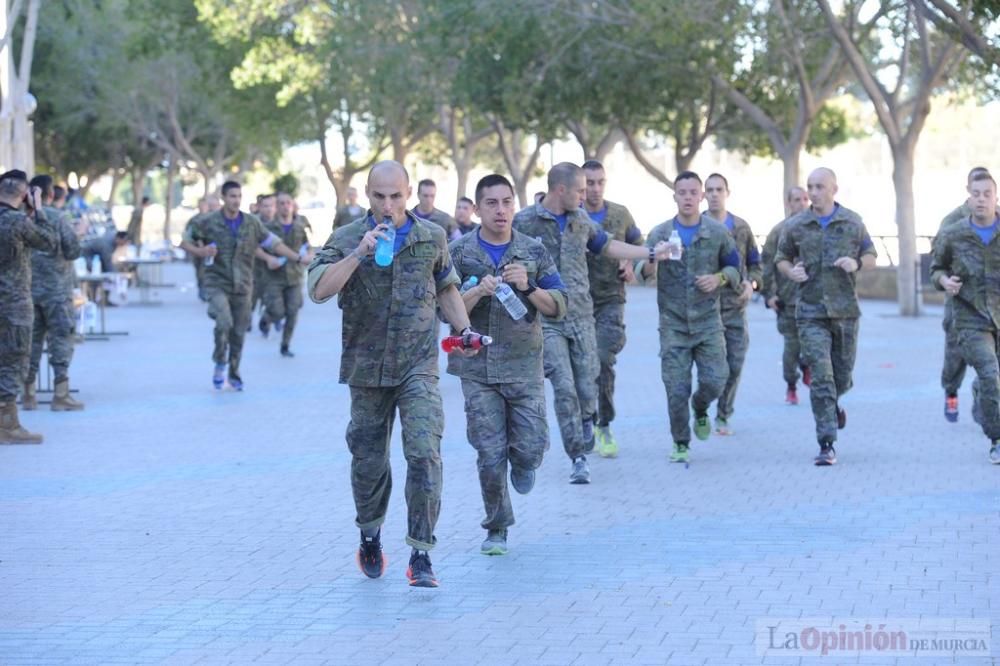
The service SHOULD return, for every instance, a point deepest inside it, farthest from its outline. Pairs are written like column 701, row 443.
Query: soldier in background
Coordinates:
column 207, row 204
column 425, row 210
column 282, row 284
column 267, row 207
column 463, row 216
column 350, row 211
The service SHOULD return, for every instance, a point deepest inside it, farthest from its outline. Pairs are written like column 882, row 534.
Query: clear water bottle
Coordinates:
column 676, row 245
column 515, row 308
column 385, row 247
column 210, row 259
column 304, row 250
column 469, row 284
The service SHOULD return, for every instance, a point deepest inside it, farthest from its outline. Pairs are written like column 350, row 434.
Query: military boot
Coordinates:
column 62, row 402
column 29, row 399
column 11, row 431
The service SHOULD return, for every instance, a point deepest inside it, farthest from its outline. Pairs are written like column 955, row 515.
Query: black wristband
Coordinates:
column 652, row 256
column 532, row 287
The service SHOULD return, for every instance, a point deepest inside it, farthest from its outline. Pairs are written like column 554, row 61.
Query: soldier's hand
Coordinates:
column 952, row 284
column 487, row 286
column 707, row 283
column 798, row 273
column 516, row 275
column 773, row 303
column 208, row 251
column 36, row 197
column 747, row 292
column 662, row 251
column 846, row 264
column 626, row 273
column 273, row 263
column 368, row 241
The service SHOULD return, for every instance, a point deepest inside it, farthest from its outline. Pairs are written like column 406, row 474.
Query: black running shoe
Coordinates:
column 371, row 560
column 286, row 352
column 420, row 572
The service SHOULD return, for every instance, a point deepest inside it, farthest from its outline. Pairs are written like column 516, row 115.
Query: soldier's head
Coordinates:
column 983, row 198
column 388, row 189
column 121, row 238
column 463, row 211
column 426, row 193
column 567, row 185
column 352, row 196
column 495, row 204
column 45, row 184
column 286, row 206
column 232, row 195
column 976, row 171
column 266, row 205
column 716, row 194
column 822, row 187
column 796, row 199
column 539, row 196
column 596, row 179
column 688, row 193
column 213, row 202
column 58, row 196
column 13, row 187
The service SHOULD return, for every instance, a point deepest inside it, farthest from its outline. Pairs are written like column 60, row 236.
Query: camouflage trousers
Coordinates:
column 953, row 370
column 368, row 434
column 15, row 346
column 570, row 357
column 506, row 424
column 283, row 302
column 737, row 340
column 829, row 347
column 609, row 320
column 231, row 313
column 53, row 320
column 679, row 353
column 980, row 349
column 790, row 356
column 199, row 275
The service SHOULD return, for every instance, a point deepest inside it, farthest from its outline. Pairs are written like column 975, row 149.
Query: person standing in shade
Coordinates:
column 571, row 362
column 821, row 250
column 425, row 210
column 463, row 216
column 504, row 385
column 389, row 360
column 779, row 295
column 282, row 284
column 52, row 295
column 953, row 368
column 607, row 289
column 687, row 294
column 230, row 237
column 350, row 211
column 20, row 233
column 733, row 302
column 966, row 265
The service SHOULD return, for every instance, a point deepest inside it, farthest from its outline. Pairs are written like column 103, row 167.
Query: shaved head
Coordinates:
column 388, row 188
column 387, row 167
column 827, row 174
column 564, row 173
column 822, row 188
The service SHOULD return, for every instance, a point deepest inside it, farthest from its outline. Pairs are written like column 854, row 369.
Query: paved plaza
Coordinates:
column 173, row 524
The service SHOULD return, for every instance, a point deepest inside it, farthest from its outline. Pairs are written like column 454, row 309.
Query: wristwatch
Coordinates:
column 652, row 256
column 532, row 287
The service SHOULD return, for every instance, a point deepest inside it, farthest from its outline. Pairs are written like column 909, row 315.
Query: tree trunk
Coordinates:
column 399, row 147
column 462, row 170
column 208, row 180
column 790, row 161
column 908, row 268
column 116, row 181
column 168, row 204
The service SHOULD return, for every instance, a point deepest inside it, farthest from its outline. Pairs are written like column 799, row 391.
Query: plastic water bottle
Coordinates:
column 467, row 341
column 385, row 247
column 90, row 317
column 469, row 284
column 281, row 262
column 676, row 246
column 210, row 260
column 304, row 250
column 515, row 308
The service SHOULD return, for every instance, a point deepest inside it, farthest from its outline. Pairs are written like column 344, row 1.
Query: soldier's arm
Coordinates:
column 68, row 239
column 646, row 268
column 941, row 261
column 331, row 268
column 729, row 262
column 446, row 283
column 767, row 283
column 755, row 270
column 268, row 240
column 549, row 297
column 40, row 234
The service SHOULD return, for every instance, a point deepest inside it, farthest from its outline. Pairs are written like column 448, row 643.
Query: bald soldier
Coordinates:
column 821, row 250
column 389, row 359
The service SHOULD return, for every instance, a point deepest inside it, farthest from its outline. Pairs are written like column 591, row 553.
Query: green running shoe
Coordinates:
column 680, row 454
column 722, row 427
column 702, row 426
column 995, row 453
column 607, row 447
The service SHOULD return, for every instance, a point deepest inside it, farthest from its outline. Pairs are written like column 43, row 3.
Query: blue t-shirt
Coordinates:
column 599, row 216
column 686, row 233
column 561, row 219
column 985, row 233
column 594, row 245
column 401, row 232
column 495, row 251
column 824, row 220
column 287, row 227
column 234, row 224
column 730, row 222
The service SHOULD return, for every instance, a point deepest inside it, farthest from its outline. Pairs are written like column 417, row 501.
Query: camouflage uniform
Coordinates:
column 953, row 369
column 608, row 293
column 691, row 330
column 347, row 214
column 389, row 360
column 17, row 234
column 52, row 294
column 282, row 288
column 469, row 229
column 826, row 308
column 504, row 384
column 734, row 312
column 440, row 218
column 773, row 283
column 959, row 251
column 229, row 280
column 197, row 262
column 570, row 356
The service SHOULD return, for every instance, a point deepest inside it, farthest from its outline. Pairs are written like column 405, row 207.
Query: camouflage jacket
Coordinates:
column 232, row 270
column 516, row 352
column 829, row 293
column 18, row 236
column 568, row 249
column 750, row 267
column 52, row 272
column 683, row 307
column 773, row 281
column 440, row 218
column 390, row 327
column 291, row 274
column 347, row 214
column 605, row 285
column 961, row 213
column 960, row 251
